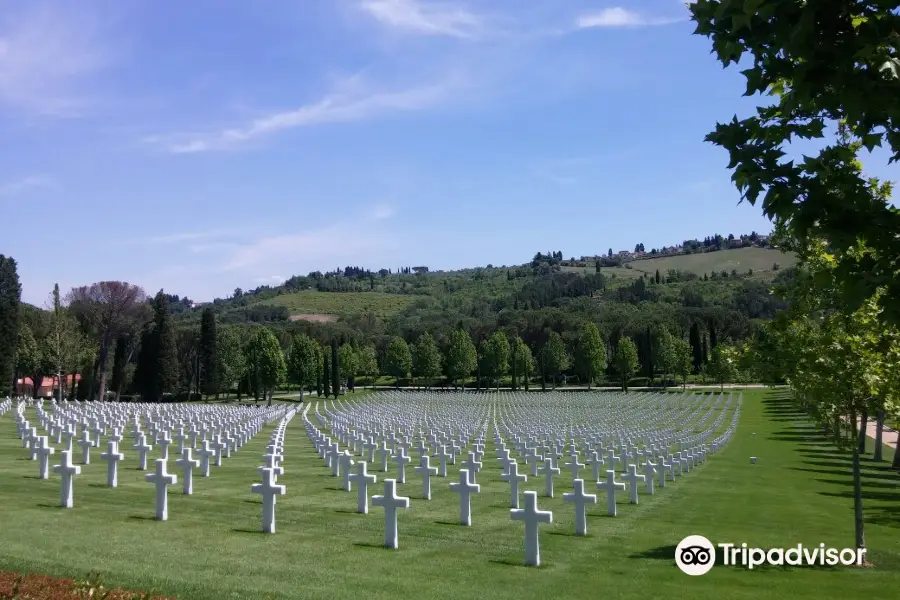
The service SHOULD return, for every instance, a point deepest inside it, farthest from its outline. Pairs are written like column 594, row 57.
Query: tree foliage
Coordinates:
column 626, row 362
column 265, row 362
column 461, row 357
column 303, row 362
column 426, row 358
column 207, row 351
column 590, row 355
column 495, row 356
column 826, row 64
column 10, row 296
column 398, row 358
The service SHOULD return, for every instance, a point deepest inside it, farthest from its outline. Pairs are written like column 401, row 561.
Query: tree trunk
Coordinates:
column 104, row 353
column 858, row 533
column 863, row 423
column 301, row 394
column 896, row 463
column 879, row 430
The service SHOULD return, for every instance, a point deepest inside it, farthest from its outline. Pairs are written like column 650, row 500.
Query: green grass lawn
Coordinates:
column 342, row 303
column 210, row 548
column 758, row 259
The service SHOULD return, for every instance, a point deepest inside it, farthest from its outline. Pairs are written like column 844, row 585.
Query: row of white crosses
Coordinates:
column 539, row 426
column 237, row 425
column 269, row 489
column 379, row 428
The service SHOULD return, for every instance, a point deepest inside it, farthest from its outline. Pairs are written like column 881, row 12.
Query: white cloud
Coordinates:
column 12, row 188
column 321, row 247
column 46, row 58
column 271, row 280
column 340, row 107
column 619, row 17
column 188, row 236
column 382, row 212
column 425, row 18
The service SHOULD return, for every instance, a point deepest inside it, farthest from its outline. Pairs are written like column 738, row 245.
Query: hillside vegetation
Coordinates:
column 760, row 260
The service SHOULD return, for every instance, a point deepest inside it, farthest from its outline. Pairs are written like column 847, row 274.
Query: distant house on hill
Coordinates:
column 48, row 387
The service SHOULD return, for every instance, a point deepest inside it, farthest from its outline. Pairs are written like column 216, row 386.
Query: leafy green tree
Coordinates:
column 66, row 342
column 231, row 363
column 682, row 359
column 461, row 357
column 398, row 359
column 626, row 362
column 303, row 363
column 590, row 355
column 367, row 363
column 348, row 361
column 426, row 359
column 207, row 351
column 495, row 356
column 10, row 296
column 522, row 359
column 28, row 354
column 821, row 65
column 722, row 366
column 265, row 362
column 555, row 357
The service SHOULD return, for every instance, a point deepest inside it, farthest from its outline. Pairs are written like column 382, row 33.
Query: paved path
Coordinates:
column 888, row 436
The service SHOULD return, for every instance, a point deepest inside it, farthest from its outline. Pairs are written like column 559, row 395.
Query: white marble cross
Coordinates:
column 632, row 477
column 205, row 453
column 580, row 500
column 514, row 478
column 402, row 460
column 162, row 480
column 649, row 472
column 187, row 464
column 532, row 518
column 86, row 444
column 548, row 470
column 426, row 471
column 362, row 479
column 143, row 449
column 67, row 471
column 610, row 486
column 44, row 452
column 269, row 491
column 112, row 456
column 391, row 502
column 465, row 488
column 473, row 465
column 346, row 461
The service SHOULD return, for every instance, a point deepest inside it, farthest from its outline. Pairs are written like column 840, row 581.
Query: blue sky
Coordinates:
column 200, row 146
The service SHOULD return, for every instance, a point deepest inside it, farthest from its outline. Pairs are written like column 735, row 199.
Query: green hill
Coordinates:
column 309, row 303
column 740, row 259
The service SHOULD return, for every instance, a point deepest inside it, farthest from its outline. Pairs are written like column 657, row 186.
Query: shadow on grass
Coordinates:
column 97, row 485
column 141, row 518
column 47, row 505
column 867, row 495
column 510, row 563
column 866, row 484
column 562, row 533
column 30, row 477
column 251, row 501
column 371, row 545
column 889, row 517
column 450, row 523
column 334, row 488
column 244, row 530
column 346, row 511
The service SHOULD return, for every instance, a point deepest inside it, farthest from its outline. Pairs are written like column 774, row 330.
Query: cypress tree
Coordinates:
column 319, row 371
column 515, row 361
column 696, row 346
column 335, row 369
column 158, row 362
column 326, row 374
column 10, row 297
column 209, row 373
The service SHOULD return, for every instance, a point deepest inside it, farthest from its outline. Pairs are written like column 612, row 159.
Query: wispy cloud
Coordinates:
column 188, row 236
column 271, row 280
column 382, row 212
column 354, row 104
column 47, row 55
column 620, row 17
column 284, row 252
column 12, row 188
column 424, row 18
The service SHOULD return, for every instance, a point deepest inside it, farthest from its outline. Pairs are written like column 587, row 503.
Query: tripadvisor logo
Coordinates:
column 696, row 555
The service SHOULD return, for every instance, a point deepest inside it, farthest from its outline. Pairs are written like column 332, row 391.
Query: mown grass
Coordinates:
column 741, row 259
column 210, row 548
column 342, row 303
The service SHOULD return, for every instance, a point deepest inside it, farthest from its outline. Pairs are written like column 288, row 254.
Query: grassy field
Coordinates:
column 619, row 272
column 758, row 259
column 342, row 303
column 798, row 492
